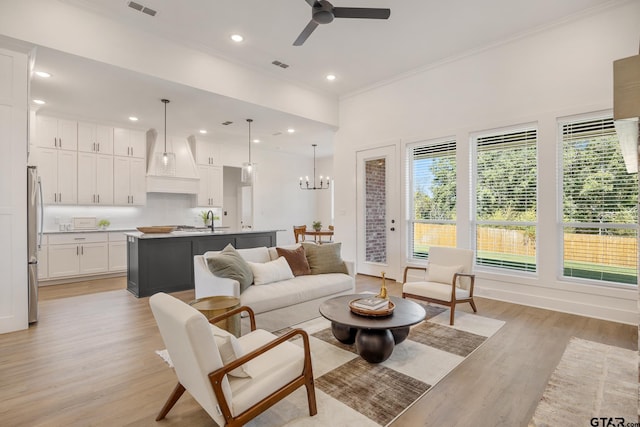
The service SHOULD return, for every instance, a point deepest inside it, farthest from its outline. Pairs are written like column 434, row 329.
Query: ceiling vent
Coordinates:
column 141, row 8
column 227, row 123
column 280, row 64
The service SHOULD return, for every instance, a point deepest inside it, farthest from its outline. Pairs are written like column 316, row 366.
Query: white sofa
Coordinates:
column 279, row 304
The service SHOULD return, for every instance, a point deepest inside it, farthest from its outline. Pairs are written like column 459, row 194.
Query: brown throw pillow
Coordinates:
column 296, row 259
column 325, row 258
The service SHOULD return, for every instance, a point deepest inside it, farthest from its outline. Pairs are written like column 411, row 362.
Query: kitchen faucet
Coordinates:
column 212, row 221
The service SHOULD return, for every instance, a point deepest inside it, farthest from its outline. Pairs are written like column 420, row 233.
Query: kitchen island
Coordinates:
column 163, row 262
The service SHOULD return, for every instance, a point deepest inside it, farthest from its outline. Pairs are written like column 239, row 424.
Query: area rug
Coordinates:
column 353, row 392
column 592, row 380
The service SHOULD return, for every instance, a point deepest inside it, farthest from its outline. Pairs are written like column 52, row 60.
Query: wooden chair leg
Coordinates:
column 453, row 309
column 311, row 396
column 173, row 398
column 473, row 305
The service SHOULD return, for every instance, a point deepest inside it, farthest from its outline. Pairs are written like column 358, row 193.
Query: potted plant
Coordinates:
column 104, row 223
column 317, row 225
column 203, row 215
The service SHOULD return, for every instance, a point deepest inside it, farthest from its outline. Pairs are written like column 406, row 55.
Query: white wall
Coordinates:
column 563, row 70
column 13, row 191
column 278, row 201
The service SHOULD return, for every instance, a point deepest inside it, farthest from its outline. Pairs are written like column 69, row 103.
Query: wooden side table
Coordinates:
column 217, row 305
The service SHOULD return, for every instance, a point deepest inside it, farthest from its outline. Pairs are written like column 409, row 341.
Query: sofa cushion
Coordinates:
column 269, row 272
column 433, row 290
column 230, row 350
column 443, row 273
column 297, row 260
column 293, row 291
column 229, row 264
column 325, row 258
column 259, row 254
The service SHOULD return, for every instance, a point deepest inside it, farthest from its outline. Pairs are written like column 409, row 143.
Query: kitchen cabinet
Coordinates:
column 76, row 254
column 211, row 186
column 117, row 252
column 58, row 170
column 129, row 181
column 94, row 138
column 95, row 179
column 56, row 133
column 129, row 143
column 207, row 153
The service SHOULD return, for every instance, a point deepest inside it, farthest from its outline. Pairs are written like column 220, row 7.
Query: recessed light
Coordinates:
column 256, row 141
column 133, row 119
column 39, row 101
column 237, row 38
column 331, row 77
column 203, row 131
column 291, row 130
column 43, row 74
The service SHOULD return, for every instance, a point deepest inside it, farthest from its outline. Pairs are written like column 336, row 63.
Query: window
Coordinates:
column 599, row 204
column 505, row 165
column 431, row 187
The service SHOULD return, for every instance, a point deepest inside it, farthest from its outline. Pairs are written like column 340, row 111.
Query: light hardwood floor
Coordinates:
column 90, row 361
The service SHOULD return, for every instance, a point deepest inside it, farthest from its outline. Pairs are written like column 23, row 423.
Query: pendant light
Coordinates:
column 325, row 183
column 167, row 164
column 248, row 168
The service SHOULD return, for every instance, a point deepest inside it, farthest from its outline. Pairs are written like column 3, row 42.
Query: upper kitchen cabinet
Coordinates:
column 58, row 170
column 95, row 179
column 211, row 186
column 129, row 143
column 129, row 181
column 56, row 133
column 207, row 153
column 94, row 138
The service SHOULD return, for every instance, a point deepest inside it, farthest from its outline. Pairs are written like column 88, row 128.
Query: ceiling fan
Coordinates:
column 323, row 12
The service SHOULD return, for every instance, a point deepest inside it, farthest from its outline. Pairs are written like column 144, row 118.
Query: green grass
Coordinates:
column 609, row 273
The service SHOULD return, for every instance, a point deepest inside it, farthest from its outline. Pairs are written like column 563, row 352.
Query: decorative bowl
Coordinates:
column 157, row 229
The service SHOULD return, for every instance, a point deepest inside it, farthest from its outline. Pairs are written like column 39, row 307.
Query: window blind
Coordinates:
column 431, row 196
column 599, row 204
column 506, row 199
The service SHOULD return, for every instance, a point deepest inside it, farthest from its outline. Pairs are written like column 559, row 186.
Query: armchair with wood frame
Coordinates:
column 449, row 279
column 298, row 232
column 234, row 391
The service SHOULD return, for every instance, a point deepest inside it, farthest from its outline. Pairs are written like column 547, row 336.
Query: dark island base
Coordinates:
column 165, row 264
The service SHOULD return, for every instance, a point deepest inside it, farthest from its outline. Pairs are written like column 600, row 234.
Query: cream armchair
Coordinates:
column 449, row 279
column 233, row 393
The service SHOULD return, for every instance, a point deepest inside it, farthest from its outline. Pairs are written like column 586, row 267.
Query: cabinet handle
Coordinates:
column 98, row 146
column 79, row 238
column 131, row 195
column 98, row 198
column 94, row 146
column 94, row 198
column 55, row 197
column 77, row 250
column 60, row 139
column 60, row 195
column 128, row 148
column 132, row 151
column 81, row 250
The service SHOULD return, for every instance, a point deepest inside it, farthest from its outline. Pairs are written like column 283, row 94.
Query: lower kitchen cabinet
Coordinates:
column 117, row 252
column 77, row 254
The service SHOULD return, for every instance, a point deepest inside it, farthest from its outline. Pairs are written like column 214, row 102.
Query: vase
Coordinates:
column 383, row 288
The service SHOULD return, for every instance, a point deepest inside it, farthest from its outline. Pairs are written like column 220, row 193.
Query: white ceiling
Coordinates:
column 359, row 52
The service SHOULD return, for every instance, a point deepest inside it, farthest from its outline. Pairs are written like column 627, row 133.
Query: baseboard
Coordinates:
column 76, row 279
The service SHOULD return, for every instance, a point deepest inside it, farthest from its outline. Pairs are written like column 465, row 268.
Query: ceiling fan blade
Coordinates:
column 305, row 33
column 311, row 2
column 361, row 12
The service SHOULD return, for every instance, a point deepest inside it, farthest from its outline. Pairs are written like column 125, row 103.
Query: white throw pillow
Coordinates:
column 230, row 349
column 443, row 273
column 272, row 271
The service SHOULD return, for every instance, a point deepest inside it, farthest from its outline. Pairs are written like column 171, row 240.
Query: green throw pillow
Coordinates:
column 325, row 258
column 229, row 264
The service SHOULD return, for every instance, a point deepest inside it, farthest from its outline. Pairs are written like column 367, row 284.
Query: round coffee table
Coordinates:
column 375, row 337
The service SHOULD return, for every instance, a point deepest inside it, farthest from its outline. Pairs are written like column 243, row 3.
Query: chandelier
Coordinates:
column 325, row 182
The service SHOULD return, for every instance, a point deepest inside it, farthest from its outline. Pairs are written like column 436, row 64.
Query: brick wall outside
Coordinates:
column 375, row 208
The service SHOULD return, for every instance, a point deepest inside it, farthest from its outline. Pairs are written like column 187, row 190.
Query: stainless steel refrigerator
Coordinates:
column 34, row 237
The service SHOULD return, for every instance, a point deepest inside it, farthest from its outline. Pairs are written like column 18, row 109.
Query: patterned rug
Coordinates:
column 353, row 392
column 592, row 380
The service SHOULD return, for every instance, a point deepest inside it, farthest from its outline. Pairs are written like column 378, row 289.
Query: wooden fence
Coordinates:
column 620, row 251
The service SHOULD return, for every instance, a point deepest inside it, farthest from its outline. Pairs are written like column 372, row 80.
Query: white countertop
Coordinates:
column 202, row 233
column 93, row 230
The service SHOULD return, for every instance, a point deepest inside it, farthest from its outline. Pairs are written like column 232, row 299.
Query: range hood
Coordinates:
column 182, row 179
column 626, row 108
